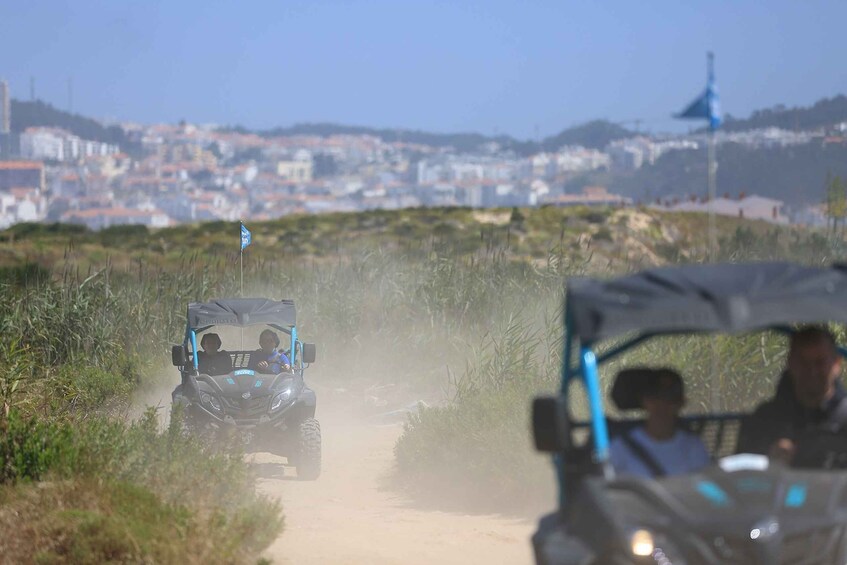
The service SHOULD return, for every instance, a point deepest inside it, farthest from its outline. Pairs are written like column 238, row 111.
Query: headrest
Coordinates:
column 632, row 384
column 210, row 338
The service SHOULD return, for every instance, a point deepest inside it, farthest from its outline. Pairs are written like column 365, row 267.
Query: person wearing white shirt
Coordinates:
column 659, row 447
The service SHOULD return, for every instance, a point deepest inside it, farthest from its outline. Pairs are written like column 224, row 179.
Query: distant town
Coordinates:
column 193, row 173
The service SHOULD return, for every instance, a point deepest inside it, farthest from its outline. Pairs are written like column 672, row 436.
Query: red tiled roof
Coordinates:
column 95, row 212
column 20, row 165
column 19, row 192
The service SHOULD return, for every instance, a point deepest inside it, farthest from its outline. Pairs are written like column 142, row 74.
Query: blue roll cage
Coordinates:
column 191, row 338
column 587, row 371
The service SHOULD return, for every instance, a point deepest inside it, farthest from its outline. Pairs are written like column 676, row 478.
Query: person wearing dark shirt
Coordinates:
column 808, row 397
column 210, row 361
column 269, row 359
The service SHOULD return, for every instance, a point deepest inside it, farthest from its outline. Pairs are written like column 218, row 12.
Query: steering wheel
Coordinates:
column 821, row 448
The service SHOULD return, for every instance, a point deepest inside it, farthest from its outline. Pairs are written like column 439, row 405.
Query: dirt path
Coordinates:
column 347, row 517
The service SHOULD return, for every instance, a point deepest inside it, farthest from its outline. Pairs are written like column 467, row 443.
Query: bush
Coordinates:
column 25, row 275
column 196, row 501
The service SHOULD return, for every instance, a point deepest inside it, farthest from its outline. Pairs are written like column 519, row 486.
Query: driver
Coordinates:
column 269, row 359
column 808, row 396
column 211, row 361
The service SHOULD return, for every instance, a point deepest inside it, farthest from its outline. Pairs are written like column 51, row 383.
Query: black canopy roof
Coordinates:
column 241, row 312
column 703, row 298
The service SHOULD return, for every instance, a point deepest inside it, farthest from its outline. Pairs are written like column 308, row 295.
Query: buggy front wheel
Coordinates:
column 308, row 460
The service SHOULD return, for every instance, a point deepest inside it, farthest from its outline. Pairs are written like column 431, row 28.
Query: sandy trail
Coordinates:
column 347, row 517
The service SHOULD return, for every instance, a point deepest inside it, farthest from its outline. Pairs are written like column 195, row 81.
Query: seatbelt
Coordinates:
column 643, row 455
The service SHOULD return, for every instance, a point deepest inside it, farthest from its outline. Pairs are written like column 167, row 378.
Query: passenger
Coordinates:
column 659, row 447
column 210, row 361
column 269, row 359
column 809, row 396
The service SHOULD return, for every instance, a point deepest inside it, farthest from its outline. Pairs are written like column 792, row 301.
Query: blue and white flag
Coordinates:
column 707, row 106
column 246, row 237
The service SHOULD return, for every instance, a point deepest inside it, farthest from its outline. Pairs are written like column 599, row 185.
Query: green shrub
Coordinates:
column 25, row 275
column 174, row 474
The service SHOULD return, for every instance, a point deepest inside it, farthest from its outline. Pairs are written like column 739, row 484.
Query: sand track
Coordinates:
column 348, row 516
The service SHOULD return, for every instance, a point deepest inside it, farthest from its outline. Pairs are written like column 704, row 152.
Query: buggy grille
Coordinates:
column 814, row 547
column 248, row 409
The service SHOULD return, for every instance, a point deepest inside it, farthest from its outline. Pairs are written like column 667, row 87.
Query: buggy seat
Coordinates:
column 241, row 359
column 718, row 432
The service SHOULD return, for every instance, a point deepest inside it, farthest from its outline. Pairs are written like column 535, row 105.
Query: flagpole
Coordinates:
column 716, row 384
column 713, row 236
column 713, row 232
column 241, row 269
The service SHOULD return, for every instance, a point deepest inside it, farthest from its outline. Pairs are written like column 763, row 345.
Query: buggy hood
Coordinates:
column 242, row 312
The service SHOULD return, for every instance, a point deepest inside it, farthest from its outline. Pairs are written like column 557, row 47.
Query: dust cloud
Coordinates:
column 351, row 514
column 357, row 511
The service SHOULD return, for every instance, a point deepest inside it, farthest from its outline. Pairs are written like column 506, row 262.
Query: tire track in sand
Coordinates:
column 346, row 517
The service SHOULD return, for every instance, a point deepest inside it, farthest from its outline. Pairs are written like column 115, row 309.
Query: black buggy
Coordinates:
column 743, row 509
column 271, row 408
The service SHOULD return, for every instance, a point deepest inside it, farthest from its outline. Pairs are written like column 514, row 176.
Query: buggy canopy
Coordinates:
column 241, row 312
column 706, row 298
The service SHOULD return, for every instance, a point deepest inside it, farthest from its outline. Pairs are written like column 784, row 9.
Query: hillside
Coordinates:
column 796, row 175
column 41, row 114
column 595, row 134
column 824, row 112
column 619, row 238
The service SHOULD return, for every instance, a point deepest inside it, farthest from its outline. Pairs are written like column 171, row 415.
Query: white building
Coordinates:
column 750, row 207
column 42, row 144
column 59, row 145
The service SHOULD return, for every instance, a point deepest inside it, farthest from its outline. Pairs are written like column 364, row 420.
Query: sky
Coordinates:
column 525, row 69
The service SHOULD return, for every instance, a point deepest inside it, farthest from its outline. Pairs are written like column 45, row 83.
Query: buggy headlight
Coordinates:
column 641, row 543
column 280, row 399
column 211, row 401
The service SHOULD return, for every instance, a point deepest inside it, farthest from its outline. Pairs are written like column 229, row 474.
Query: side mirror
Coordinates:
column 550, row 425
column 308, row 353
column 179, row 356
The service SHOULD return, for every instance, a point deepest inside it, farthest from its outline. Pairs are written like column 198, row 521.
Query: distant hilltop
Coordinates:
column 595, row 134
column 823, row 113
column 41, row 114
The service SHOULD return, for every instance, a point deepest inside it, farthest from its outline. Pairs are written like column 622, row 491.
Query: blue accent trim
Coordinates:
column 230, row 380
column 753, row 484
column 258, row 384
column 622, row 348
column 293, row 344
column 796, row 495
column 193, row 338
column 713, row 493
column 244, row 372
column 591, row 378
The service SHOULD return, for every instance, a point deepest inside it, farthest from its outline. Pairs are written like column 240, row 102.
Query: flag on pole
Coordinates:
column 246, row 237
column 707, row 106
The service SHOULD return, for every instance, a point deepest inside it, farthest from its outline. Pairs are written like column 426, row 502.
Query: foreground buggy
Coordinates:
column 742, row 509
column 272, row 410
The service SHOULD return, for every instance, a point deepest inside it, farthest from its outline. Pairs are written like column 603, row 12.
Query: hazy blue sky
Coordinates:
column 487, row 65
